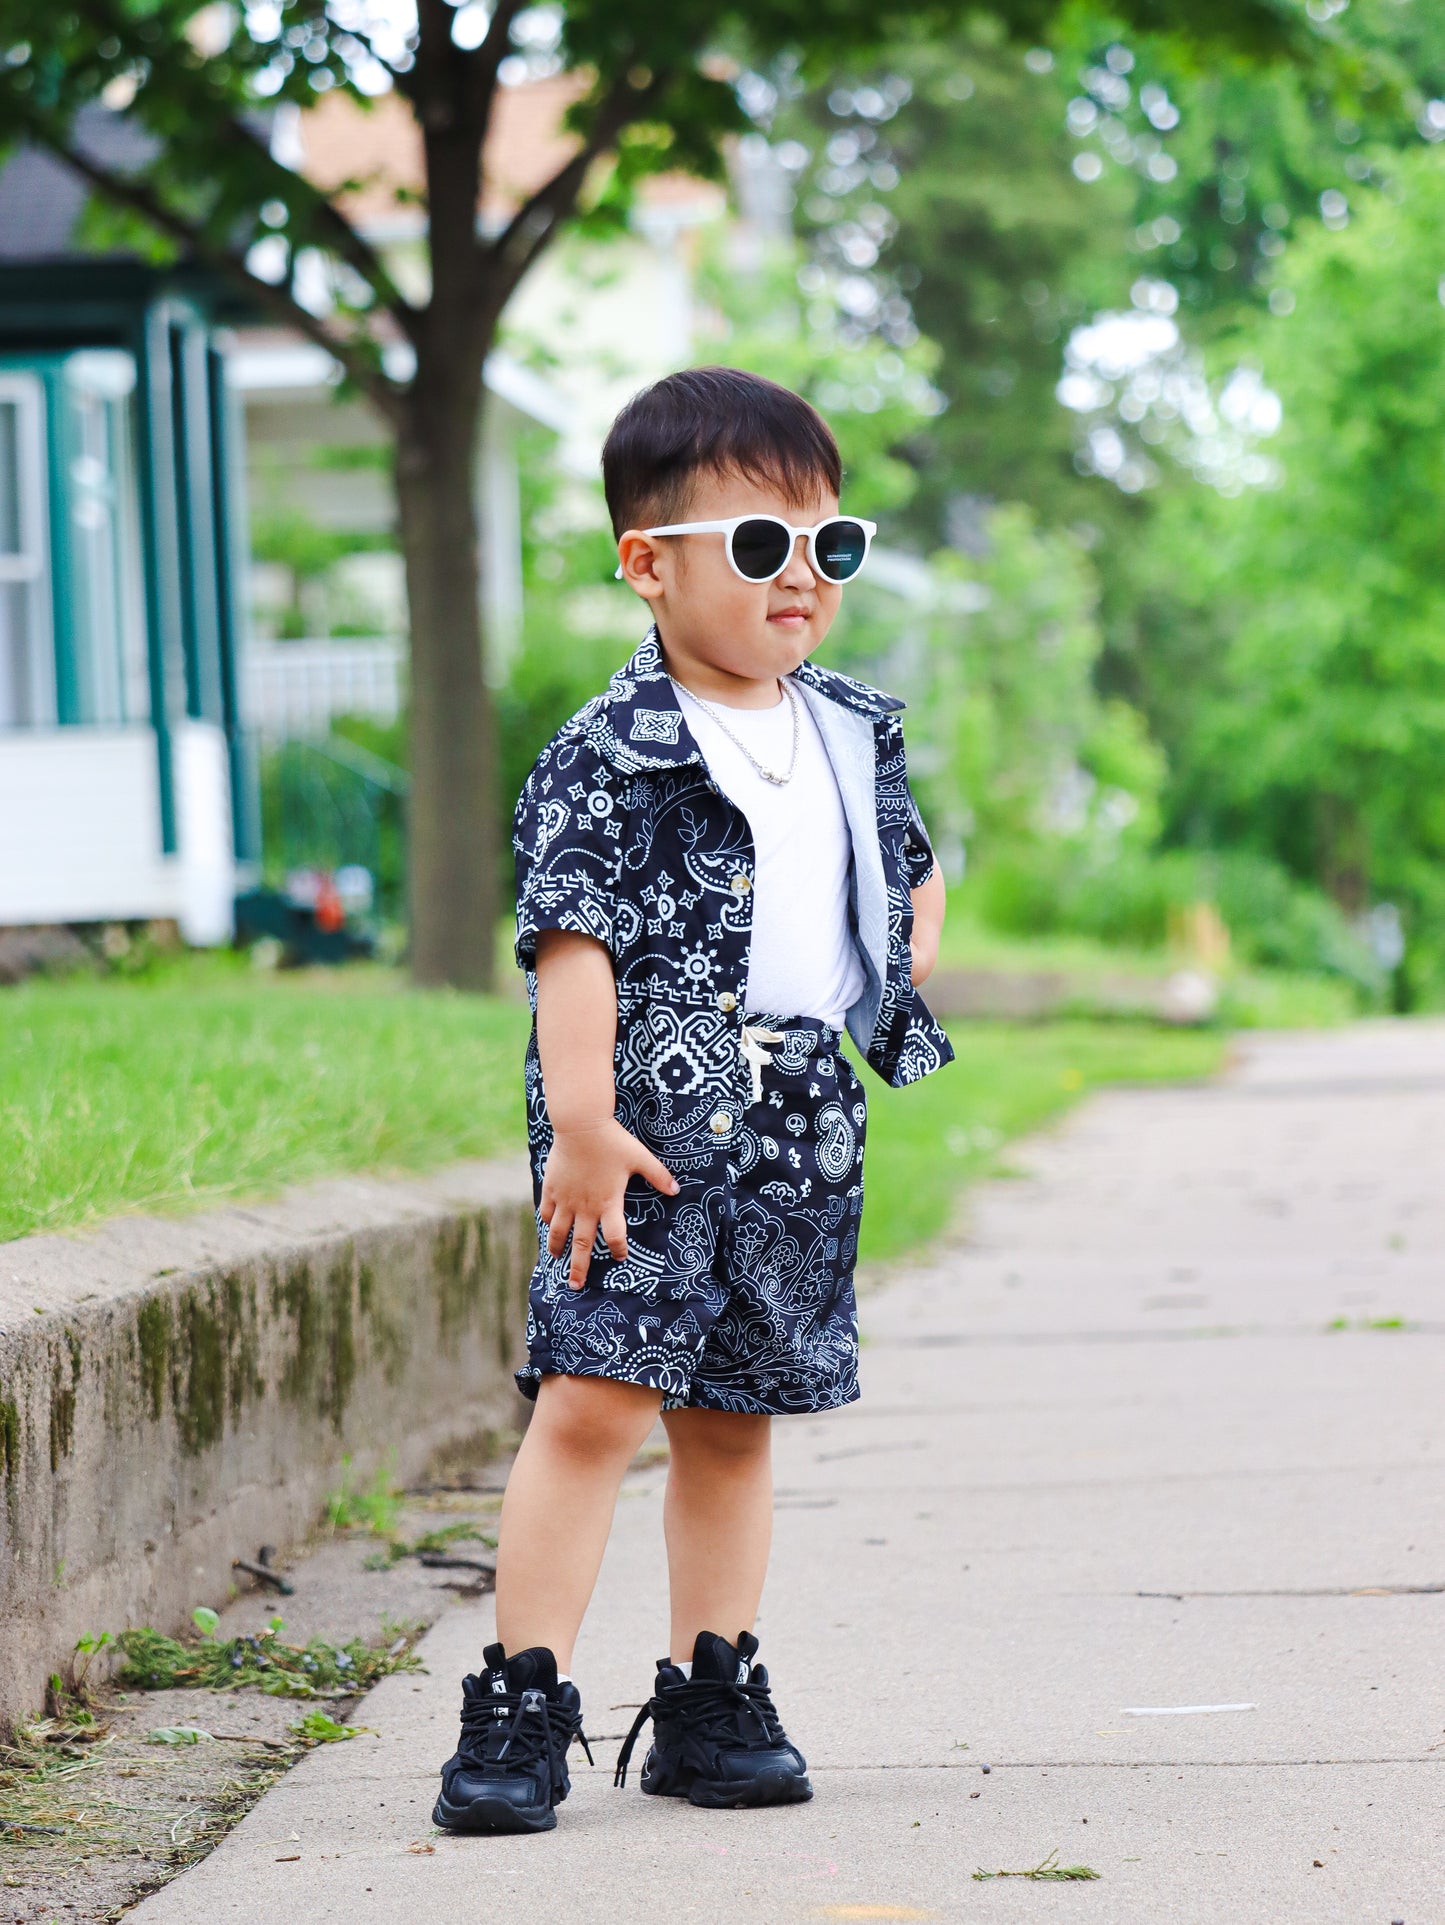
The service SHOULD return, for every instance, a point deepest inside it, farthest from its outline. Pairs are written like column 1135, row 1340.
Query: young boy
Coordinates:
column 719, row 865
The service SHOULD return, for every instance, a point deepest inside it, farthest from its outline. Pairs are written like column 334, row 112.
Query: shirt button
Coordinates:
column 720, row 1123
column 740, row 885
column 727, row 1002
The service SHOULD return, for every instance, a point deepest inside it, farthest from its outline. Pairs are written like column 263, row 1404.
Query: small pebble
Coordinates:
column 985, row 1768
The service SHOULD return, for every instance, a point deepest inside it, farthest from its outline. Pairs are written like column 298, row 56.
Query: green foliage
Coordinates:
column 339, row 800
column 1009, row 743
column 1133, row 896
column 941, row 176
column 320, row 1728
column 658, row 95
column 875, row 396
column 317, row 1669
column 376, row 1509
column 1317, row 607
column 428, row 1544
column 290, row 539
column 940, row 186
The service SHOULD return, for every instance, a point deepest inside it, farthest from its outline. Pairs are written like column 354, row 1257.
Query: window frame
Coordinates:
column 30, row 564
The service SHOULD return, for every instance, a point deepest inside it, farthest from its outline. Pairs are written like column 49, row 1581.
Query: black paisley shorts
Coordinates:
column 737, row 1293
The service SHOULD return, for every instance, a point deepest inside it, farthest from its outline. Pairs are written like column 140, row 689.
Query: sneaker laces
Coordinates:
column 538, row 1728
column 716, row 1709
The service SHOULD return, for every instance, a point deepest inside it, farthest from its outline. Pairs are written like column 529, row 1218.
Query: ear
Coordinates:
column 637, row 556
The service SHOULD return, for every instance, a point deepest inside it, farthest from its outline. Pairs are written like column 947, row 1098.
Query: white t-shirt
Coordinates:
column 803, row 961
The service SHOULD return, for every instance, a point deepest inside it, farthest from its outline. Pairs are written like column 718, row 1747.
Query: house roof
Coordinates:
column 379, row 147
column 41, row 198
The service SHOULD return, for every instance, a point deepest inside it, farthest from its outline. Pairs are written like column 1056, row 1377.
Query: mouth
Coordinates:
column 793, row 616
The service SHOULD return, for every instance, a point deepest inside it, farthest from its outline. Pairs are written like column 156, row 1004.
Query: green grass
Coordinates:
column 926, row 1141
column 210, row 1081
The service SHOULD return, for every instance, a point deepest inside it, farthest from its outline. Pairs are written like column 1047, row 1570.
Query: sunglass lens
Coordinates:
column 840, row 547
column 760, row 548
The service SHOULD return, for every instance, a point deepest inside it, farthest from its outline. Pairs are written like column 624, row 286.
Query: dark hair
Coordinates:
column 716, row 421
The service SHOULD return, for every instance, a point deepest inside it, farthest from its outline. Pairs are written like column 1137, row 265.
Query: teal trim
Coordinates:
column 162, row 562
column 195, row 492
column 199, row 457
column 232, row 548
column 62, row 572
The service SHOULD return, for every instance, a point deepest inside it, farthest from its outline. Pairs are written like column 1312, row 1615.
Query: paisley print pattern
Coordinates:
column 621, row 834
column 736, row 1294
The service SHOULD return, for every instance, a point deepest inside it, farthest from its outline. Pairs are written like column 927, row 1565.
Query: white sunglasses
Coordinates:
column 759, row 546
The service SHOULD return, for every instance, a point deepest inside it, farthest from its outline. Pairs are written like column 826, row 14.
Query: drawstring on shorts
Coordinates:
column 750, row 1042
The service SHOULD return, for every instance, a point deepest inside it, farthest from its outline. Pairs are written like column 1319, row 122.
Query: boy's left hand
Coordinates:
column 929, row 901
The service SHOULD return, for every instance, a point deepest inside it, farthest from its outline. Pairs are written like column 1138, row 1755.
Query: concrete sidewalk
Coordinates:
column 1112, row 1458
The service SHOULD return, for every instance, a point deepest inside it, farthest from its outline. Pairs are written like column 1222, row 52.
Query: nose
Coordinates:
column 798, row 574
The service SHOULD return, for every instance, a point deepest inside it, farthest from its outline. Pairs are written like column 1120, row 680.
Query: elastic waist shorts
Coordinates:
column 737, row 1293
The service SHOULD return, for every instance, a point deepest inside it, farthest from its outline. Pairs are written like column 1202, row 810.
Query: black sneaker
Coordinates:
column 509, row 1769
column 716, row 1736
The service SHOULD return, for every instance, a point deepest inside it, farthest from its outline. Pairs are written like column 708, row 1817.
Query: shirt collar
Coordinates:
column 644, row 726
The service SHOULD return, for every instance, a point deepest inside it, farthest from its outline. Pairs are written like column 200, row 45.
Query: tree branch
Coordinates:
column 536, row 221
column 482, row 65
column 336, row 231
column 141, row 199
column 342, row 238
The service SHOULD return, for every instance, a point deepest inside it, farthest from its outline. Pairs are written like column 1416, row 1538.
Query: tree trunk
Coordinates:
column 453, row 843
column 1344, row 847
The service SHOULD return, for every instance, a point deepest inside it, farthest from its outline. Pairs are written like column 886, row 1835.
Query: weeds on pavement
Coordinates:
column 1048, row 1871
column 318, row 1669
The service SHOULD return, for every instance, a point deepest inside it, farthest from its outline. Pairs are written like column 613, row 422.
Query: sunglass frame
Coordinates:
column 730, row 526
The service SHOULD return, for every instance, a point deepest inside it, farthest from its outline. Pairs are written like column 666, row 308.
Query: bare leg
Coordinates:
column 718, row 1516
column 559, row 1503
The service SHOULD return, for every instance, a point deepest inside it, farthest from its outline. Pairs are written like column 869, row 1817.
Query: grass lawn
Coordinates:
column 211, row 1080
column 208, row 1080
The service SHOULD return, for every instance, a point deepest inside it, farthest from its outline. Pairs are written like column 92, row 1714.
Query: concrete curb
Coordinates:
column 175, row 1393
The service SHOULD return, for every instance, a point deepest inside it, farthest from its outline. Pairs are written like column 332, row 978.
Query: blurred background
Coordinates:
column 1131, row 326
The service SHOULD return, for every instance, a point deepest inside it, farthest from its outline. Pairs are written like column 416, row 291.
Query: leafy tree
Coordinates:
column 997, row 197
column 655, row 90
column 937, row 196
column 1321, row 722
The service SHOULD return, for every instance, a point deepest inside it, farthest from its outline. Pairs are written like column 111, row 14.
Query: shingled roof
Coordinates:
column 42, row 198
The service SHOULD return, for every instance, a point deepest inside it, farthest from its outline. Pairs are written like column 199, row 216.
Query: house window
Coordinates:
column 105, row 596
column 27, row 655
column 72, row 591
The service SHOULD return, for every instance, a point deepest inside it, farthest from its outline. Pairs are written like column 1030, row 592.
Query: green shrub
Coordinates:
column 1129, row 896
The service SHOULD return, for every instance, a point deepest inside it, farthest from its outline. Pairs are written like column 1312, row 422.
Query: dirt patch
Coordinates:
column 95, row 1812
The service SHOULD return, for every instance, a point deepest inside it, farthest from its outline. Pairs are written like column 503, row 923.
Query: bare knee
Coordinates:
column 595, row 1417
column 717, row 1437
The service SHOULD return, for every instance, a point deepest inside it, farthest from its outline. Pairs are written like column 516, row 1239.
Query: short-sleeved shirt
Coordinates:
column 621, row 834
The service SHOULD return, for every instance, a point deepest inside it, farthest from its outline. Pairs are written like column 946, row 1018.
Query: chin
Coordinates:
column 790, row 644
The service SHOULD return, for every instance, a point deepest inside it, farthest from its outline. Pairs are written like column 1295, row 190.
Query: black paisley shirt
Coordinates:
column 620, row 833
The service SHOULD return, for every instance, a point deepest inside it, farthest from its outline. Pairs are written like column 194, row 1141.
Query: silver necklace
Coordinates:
column 769, row 775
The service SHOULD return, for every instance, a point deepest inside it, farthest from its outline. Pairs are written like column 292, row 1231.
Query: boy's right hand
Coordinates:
column 582, row 1188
